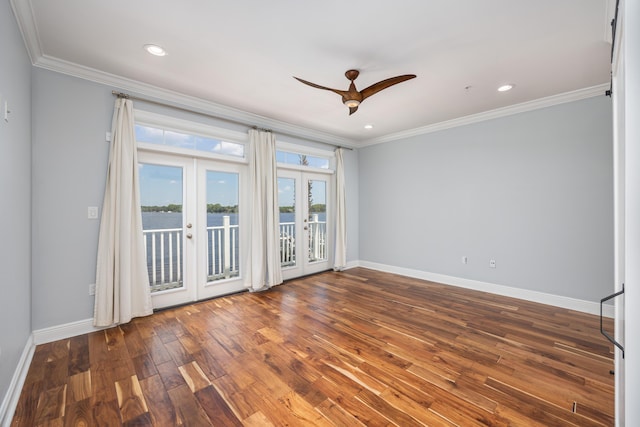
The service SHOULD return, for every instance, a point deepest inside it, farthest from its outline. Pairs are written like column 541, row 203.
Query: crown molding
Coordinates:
column 182, row 100
column 233, row 114
column 536, row 104
column 23, row 13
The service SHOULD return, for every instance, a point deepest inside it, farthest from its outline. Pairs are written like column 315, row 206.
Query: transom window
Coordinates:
column 291, row 158
column 154, row 135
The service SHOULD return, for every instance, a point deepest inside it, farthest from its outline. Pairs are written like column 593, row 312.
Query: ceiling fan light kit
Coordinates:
column 352, row 97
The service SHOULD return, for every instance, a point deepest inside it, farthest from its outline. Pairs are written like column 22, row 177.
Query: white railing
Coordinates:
column 222, row 251
column 164, row 250
column 287, row 244
column 317, row 239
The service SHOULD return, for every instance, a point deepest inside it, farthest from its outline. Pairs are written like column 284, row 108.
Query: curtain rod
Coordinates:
column 188, row 110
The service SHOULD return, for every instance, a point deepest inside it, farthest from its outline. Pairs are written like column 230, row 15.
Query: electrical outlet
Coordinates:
column 492, row 263
column 92, row 289
column 464, row 260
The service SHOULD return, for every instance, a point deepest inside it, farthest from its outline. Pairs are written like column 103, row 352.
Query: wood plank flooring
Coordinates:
column 335, row 349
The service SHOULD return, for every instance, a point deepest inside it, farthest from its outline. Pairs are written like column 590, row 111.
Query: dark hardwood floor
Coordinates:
column 353, row 348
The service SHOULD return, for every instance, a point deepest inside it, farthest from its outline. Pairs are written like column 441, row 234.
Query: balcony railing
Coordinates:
column 287, row 244
column 222, row 251
column 164, row 251
column 317, row 239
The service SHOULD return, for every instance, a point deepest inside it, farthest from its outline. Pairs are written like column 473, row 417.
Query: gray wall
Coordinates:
column 15, row 198
column 352, row 190
column 70, row 158
column 70, row 155
column 532, row 191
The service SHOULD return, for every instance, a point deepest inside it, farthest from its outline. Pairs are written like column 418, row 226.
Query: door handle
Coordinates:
column 189, row 235
column 189, row 225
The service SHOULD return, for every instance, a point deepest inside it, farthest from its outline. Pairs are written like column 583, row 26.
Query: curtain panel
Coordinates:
column 340, row 258
column 265, row 214
column 122, row 283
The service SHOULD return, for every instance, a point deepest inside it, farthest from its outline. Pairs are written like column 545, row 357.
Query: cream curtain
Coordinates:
column 340, row 259
column 122, row 283
column 265, row 214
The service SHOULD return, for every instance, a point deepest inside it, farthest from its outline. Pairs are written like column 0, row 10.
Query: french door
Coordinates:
column 192, row 215
column 306, row 227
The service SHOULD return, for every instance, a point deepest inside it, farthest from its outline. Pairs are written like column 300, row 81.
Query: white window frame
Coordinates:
column 186, row 126
column 310, row 151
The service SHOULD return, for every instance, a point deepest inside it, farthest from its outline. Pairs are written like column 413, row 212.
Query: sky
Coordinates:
column 153, row 135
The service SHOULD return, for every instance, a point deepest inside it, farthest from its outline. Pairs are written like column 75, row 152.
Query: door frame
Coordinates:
column 187, row 293
column 194, row 222
column 303, row 267
column 206, row 289
column 620, row 172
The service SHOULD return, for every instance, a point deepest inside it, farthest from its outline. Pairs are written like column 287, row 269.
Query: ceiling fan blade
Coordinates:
column 377, row 87
column 339, row 92
column 353, row 96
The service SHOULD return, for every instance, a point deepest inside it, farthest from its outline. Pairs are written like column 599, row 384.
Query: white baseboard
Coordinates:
column 10, row 401
column 352, row 264
column 40, row 336
column 528, row 295
column 61, row 332
column 43, row 336
column 54, row 333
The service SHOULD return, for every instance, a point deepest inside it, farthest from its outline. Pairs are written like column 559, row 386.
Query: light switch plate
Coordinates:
column 92, row 212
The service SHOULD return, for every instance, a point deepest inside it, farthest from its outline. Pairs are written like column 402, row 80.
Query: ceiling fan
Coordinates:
column 352, row 97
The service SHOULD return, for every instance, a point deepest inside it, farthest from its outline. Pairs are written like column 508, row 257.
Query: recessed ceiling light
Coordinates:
column 368, row 127
column 154, row 49
column 505, row 88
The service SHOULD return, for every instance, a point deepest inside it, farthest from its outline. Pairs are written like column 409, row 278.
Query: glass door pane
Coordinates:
column 220, row 235
column 161, row 199
column 317, row 219
column 287, row 204
column 223, row 230
column 305, row 246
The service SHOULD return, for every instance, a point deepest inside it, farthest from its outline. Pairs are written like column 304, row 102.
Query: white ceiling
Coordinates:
column 243, row 54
